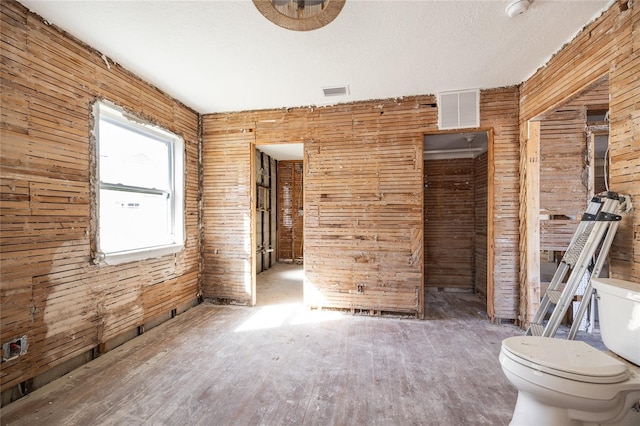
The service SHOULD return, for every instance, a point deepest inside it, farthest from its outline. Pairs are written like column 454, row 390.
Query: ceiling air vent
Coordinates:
column 459, row 110
column 335, row 91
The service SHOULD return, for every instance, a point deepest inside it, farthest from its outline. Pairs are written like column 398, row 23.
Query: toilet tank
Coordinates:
column 619, row 314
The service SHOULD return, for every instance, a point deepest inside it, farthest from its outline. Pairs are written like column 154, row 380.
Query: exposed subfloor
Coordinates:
column 278, row 364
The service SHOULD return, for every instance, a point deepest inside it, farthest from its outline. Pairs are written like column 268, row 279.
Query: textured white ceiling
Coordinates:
column 218, row 56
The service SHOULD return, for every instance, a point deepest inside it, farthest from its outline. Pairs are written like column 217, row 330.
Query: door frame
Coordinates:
column 530, row 204
column 490, row 296
column 254, row 214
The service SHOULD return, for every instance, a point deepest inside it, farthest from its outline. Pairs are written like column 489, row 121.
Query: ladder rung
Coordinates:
column 536, row 329
column 554, row 296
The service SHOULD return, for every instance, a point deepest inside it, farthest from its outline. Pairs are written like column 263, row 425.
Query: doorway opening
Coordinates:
column 571, row 143
column 456, row 220
column 279, row 223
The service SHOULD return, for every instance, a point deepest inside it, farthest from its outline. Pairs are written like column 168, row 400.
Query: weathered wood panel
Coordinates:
column 298, row 212
column 455, row 229
column 556, row 234
column 499, row 113
column 449, row 224
column 480, row 170
column 610, row 45
column 50, row 291
column 290, row 211
column 564, row 187
column 363, row 221
column 562, row 164
column 266, row 214
column 563, row 190
column 226, row 208
column 285, row 210
column 363, row 199
column 335, row 183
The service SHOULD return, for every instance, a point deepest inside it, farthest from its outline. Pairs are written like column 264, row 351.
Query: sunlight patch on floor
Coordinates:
column 274, row 316
column 293, row 275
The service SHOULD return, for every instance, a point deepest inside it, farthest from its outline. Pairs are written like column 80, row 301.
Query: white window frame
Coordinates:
column 114, row 114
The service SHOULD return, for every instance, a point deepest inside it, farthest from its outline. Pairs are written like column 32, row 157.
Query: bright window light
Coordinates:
column 140, row 174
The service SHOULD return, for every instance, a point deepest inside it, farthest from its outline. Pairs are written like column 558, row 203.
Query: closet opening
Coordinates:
column 456, row 213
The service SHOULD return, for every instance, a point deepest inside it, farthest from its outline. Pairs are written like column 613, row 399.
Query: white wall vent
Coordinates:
column 335, row 91
column 459, row 110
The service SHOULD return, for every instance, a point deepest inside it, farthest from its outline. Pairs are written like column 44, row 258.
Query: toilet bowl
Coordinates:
column 565, row 382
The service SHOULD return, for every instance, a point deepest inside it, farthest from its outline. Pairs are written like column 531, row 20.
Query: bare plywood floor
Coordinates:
column 283, row 364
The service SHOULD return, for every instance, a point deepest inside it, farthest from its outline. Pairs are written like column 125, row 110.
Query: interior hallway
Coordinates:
column 282, row 283
column 284, row 364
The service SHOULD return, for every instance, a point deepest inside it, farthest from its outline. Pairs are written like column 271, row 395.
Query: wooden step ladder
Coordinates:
column 587, row 252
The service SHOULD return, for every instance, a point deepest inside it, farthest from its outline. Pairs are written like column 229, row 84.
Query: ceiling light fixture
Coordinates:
column 300, row 15
column 517, row 7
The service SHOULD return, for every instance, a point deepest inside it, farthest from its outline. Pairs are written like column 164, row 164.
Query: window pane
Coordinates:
column 132, row 220
column 132, row 158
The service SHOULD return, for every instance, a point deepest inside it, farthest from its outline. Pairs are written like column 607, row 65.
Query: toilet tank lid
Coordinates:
column 567, row 358
column 613, row 285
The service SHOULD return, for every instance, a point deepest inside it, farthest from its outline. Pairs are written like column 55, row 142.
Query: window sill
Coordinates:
column 118, row 258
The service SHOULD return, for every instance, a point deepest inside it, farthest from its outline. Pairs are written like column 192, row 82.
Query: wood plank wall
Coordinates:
column 608, row 46
column 290, row 211
column 298, row 212
column 455, row 215
column 563, row 194
column 50, row 79
column 266, row 214
column 562, row 163
column 480, row 177
column 499, row 114
column 363, row 204
column 449, row 224
column 227, row 241
column 363, row 199
column 50, row 291
column 564, row 191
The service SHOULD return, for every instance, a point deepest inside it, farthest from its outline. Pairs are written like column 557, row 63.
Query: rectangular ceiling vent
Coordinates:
column 459, row 110
column 335, row 91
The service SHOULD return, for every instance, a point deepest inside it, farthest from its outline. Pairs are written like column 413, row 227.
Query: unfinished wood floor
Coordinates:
column 283, row 364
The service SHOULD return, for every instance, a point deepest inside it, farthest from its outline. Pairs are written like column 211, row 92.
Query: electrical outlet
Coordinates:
column 14, row 348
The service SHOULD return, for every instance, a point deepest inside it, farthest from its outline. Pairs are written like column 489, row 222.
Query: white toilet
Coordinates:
column 566, row 382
